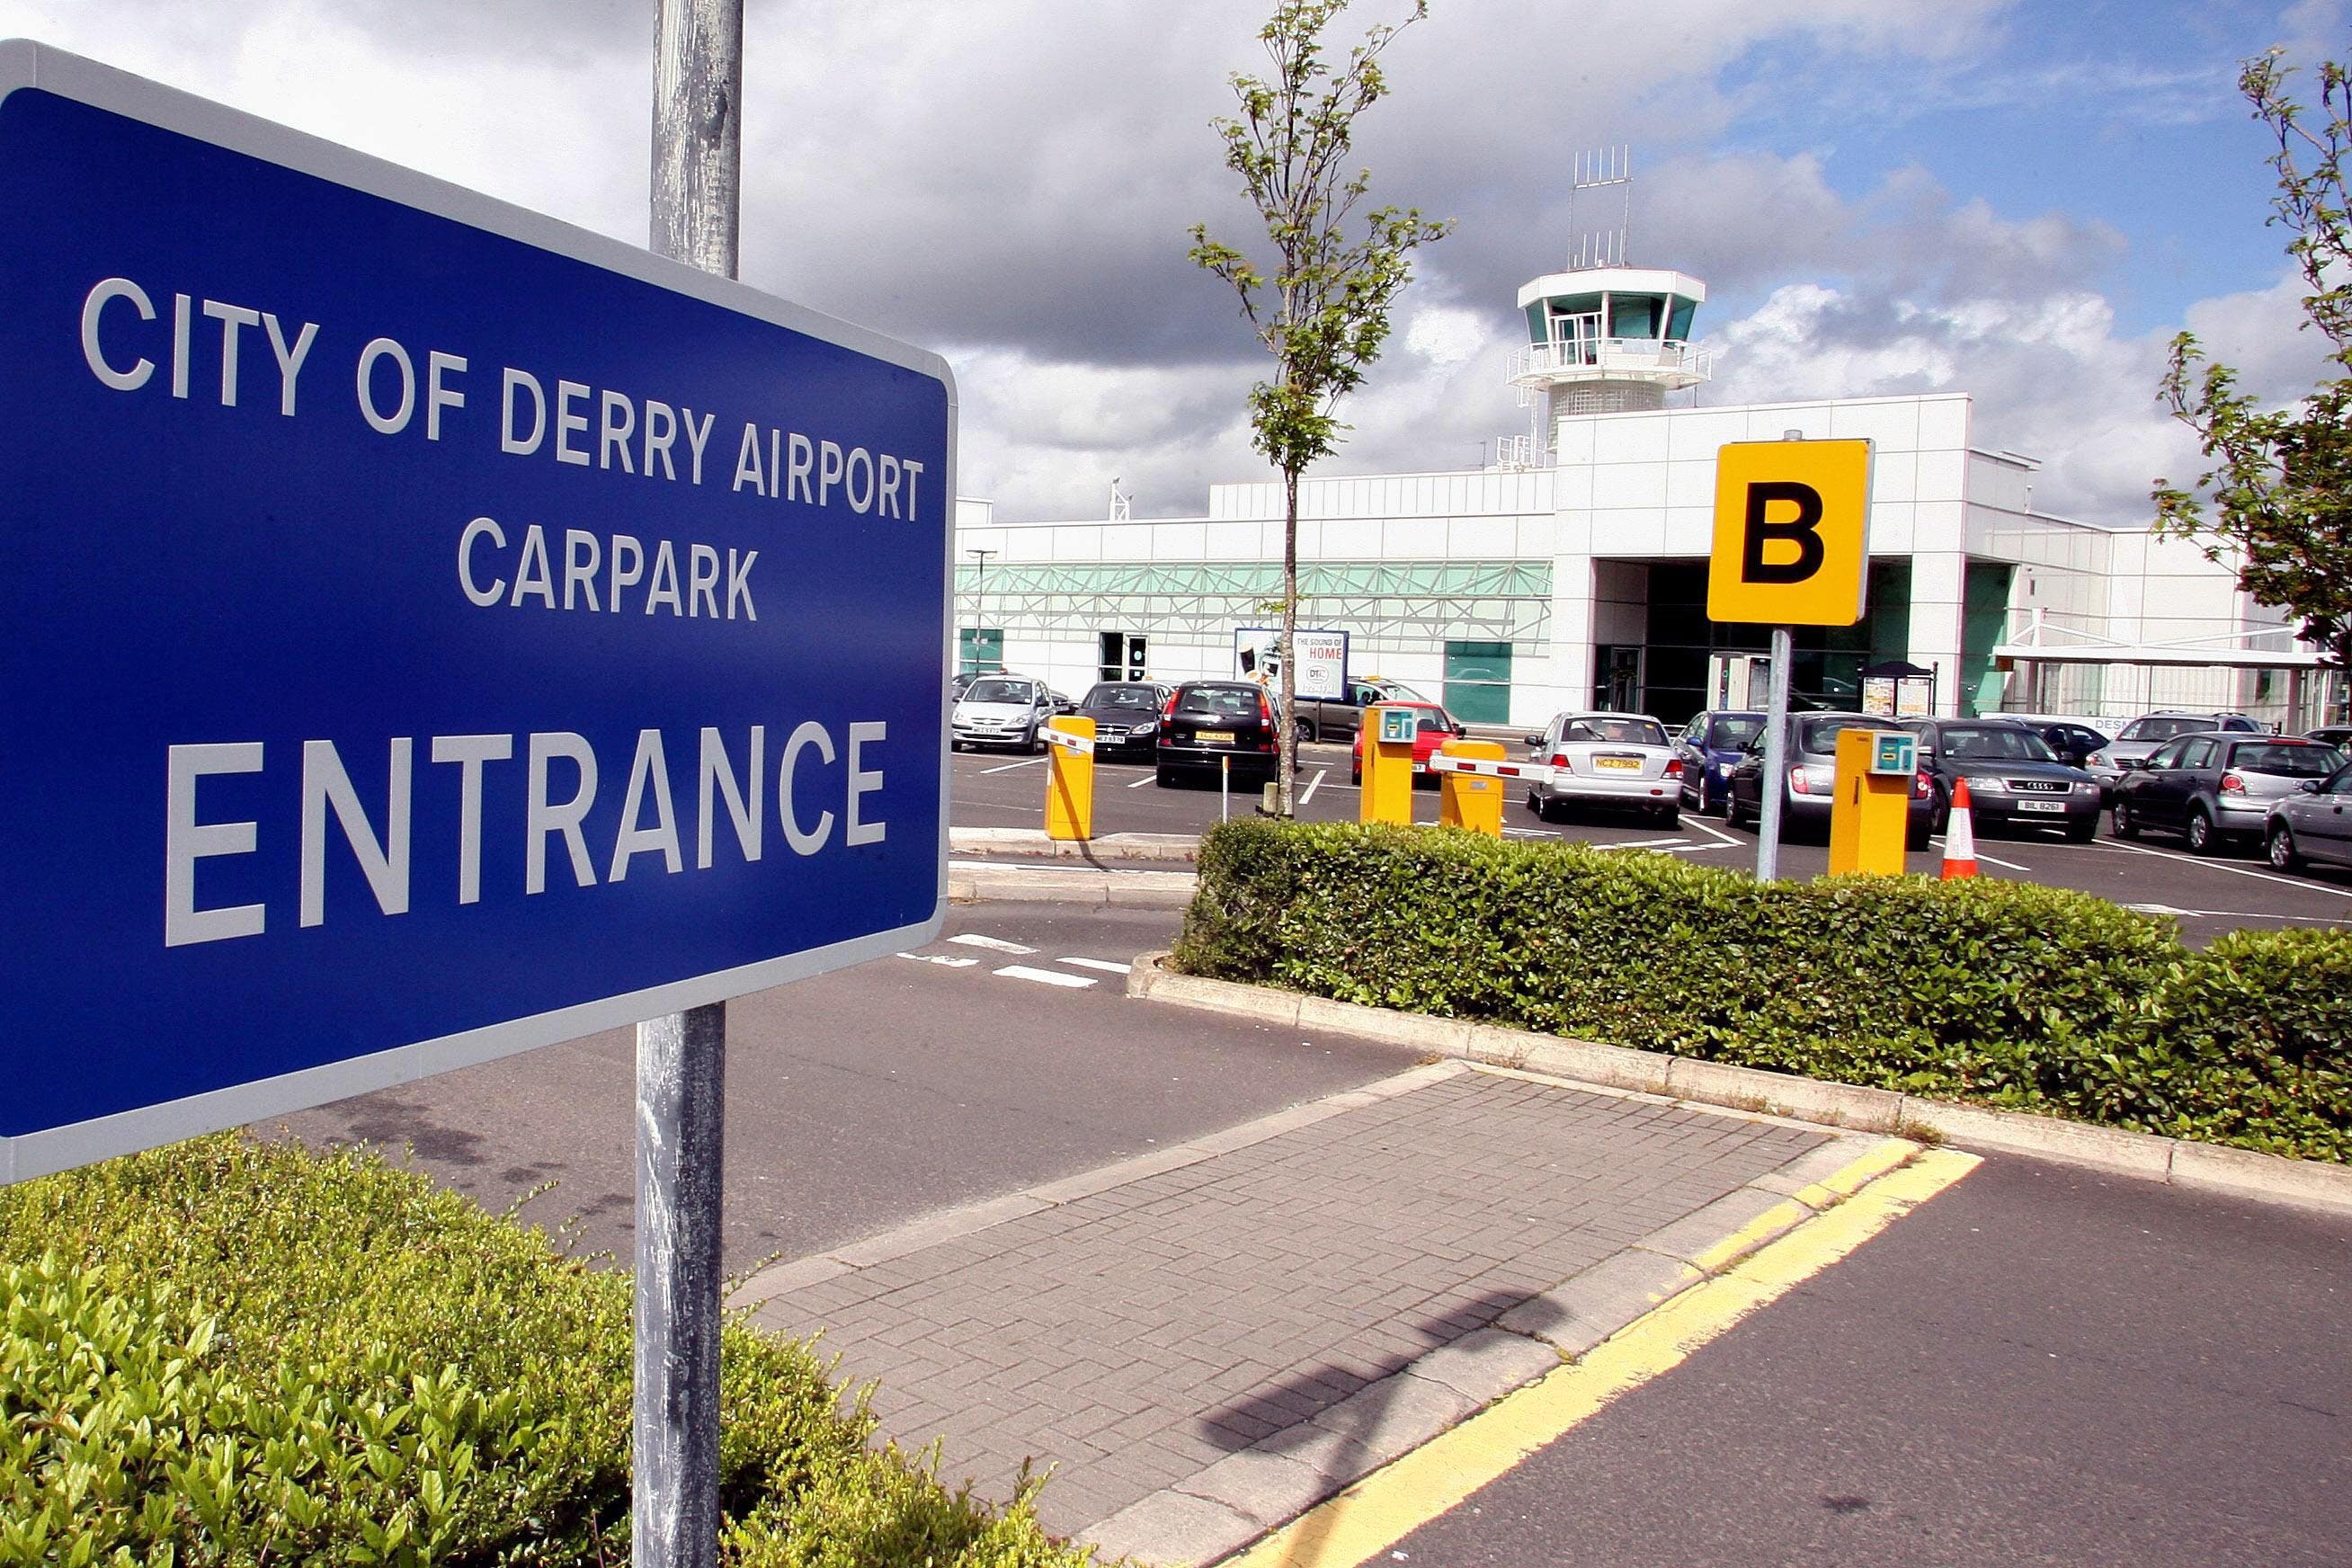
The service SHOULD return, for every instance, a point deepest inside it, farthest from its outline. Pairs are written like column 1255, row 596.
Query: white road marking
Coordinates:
column 1044, row 976
column 1147, row 778
column 1312, row 784
column 1105, row 964
column 942, row 958
column 993, row 944
column 2234, row 870
column 1008, row 767
column 1703, row 826
column 1643, row 844
column 1529, row 833
column 2004, row 864
column 2220, row 914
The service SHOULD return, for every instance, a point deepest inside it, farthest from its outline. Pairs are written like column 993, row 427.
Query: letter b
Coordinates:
column 1803, row 531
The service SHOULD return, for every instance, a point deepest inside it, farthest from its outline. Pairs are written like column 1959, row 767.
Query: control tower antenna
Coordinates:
column 1603, row 169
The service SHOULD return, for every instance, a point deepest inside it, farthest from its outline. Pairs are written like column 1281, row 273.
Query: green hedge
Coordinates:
column 2003, row 992
column 245, row 1353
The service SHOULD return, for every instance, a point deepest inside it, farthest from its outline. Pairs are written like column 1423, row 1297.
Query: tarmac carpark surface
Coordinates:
column 2156, row 874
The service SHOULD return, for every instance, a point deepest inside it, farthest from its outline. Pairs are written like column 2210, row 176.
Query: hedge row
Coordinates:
column 2003, row 992
column 232, row 1353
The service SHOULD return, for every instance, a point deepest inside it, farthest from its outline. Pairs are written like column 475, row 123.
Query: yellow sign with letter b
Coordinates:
column 1792, row 534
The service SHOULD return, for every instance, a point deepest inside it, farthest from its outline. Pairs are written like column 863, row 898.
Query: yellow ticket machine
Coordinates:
column 1470, row 800
column 1871, row 808
column 1387, row 766
column 1070, row 777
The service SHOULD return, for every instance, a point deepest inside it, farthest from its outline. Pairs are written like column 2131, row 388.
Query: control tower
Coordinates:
column 1608, row 339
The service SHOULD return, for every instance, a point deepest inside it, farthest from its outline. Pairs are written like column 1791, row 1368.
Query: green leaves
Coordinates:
column 2004, row 992
column 228, row 1353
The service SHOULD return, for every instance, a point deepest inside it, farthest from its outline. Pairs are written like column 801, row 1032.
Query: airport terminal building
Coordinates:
column 1572, row 571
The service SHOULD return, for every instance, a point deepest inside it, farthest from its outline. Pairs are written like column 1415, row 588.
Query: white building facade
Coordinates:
column 1573, row 570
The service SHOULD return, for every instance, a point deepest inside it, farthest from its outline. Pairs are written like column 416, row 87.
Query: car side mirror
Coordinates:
column 1532, row 741
column 2309, row 786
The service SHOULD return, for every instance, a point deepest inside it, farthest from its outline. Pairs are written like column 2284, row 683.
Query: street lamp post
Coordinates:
column 979, row 598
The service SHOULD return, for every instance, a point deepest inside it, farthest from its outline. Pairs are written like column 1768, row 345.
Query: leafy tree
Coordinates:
column 2277, row 502
column 1322, row 308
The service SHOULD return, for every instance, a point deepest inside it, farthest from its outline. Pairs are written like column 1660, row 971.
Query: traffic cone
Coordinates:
column 1959, row 837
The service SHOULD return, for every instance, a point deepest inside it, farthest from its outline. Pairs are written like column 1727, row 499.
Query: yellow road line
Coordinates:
column 1390, row 1503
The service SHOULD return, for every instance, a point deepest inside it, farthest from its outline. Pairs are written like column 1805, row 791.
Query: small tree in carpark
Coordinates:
column 2280, row 492
column 1323, row 307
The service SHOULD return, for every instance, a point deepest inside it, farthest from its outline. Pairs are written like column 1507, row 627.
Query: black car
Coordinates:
column 2015, row 780
column 1807, row 792
column 1210, row 724
column 2075, row 744
column 1125, row 715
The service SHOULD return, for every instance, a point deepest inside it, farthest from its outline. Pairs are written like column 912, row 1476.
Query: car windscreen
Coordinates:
column 1731, row 734
column 2285, row 759
column 1994, row 743
column 2165, row 729
column 1107, row 696
column 1226, row 701
column 1623, row 731
column 999, row 691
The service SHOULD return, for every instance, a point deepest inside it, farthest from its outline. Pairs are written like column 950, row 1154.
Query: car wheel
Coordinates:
column 1734, row 813
column 1035, row 743
column 2126, row 825
column 1532, row 803
column 1355, row 776
column 1916, row 839
column 1163, row 776
column 1939, row 814
column 1305, row 731
column 2082, row 831
column 1670, row 817
column 2283, row 853
column 2202, row 839
column 1552, row 810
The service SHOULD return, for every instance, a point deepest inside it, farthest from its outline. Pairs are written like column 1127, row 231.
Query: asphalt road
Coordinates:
column 2208, row 897
column 864, row 1098
column 2039, row 1367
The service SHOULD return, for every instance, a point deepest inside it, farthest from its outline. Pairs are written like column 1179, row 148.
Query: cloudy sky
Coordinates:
column 2022, row 199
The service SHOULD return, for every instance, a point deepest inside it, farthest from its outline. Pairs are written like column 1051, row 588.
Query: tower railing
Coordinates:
column 1604, row 356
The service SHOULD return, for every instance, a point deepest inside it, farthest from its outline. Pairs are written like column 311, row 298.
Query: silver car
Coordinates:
column 1606, row 759
column 1001, row 710
column 2217, row 789
column 2311, row 822
column 2137, row 741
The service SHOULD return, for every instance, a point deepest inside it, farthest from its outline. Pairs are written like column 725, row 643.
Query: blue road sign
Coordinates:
column 429, row 631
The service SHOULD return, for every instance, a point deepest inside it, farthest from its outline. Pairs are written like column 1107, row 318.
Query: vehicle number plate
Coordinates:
column 2040, row 806
column 1628, row 765
column 1213, row 737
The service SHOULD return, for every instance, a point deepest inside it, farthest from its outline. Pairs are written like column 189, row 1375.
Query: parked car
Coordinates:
column 1125, row 715
column 1810, row 777
column 2137, row 741
column 2075, row 744
column 1001, row 710
column 2015, row 780
column 1432, row 726
column 2217, row 789
column 1606, row 759
column 2312, row 822
column 2336, row 735
column 962, row 681
column 1329, row 719
column 1712, row 745
column 1208, row 723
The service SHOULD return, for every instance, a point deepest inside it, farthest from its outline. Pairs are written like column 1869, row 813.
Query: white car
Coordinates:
column 1001, row 710
column 1606, row 759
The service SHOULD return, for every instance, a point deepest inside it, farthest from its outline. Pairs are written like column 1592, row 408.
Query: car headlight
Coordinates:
column 1988, row 785
column 2086, row 786
column 1146, row 728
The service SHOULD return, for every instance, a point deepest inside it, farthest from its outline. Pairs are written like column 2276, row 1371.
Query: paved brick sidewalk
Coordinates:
column 1132, row 1327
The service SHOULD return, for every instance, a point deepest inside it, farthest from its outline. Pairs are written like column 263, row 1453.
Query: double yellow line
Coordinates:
column 1390, row 1503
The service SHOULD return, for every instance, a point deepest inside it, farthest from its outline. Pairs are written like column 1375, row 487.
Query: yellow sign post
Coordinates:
column 1870, row 811
column 1070, row 777
column 1387, row 766
column 1791, row 549
column 1472, row 801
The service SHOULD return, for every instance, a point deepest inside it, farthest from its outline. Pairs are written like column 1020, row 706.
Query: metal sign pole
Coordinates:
column 682, row 1058
column 1776, row 760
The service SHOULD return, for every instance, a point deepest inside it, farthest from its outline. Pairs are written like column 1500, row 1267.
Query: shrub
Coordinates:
column 2004, row 993
column 236, row 1353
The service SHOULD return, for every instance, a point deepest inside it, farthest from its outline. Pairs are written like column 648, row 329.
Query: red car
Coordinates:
column 1432, row 727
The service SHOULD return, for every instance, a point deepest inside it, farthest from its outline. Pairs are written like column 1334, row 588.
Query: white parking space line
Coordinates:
column 1644, row 844
column 1312, row 784
column 1105, row 964
column 2223, row 914
column 1024, row 762
column 944, row 960
column 1147, row 778
column 2234, row 870
column 1718, row 834
column 1993, row 860
column 1529, row 833
column 993, row 944
column 1045, row 976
